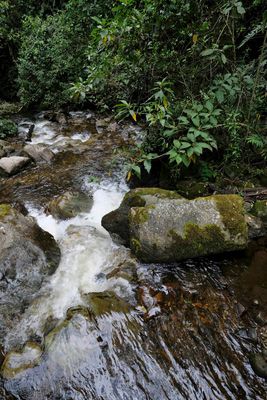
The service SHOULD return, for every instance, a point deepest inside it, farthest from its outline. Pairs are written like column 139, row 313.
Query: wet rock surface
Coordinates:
column 12, row 165
column 17, row 362
column 69, row 205
column 184, row 328
column 164, row 227
column 27, row 256
column 38, row 153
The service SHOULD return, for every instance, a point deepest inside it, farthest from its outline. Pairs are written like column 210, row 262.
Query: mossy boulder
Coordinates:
column 117, row 222
column 162, row 226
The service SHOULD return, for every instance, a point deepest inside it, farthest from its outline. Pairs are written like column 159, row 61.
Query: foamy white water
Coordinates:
column 46, row 133
column 87, row 252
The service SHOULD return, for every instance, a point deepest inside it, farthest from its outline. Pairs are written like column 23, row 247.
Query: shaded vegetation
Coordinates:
column 192, row 71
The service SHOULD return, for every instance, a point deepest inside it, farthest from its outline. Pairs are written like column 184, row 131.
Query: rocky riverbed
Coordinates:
column 100, row 324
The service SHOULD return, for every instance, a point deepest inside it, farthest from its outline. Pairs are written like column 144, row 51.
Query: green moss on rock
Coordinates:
column 4, row 210
column 231, row 209
column 135, row 246
column 139, row 215
column 197, row 241
column 157, row 192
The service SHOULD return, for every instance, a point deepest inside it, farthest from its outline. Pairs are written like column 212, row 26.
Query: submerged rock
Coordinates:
column 27, row 256
column 69, row 205
column 259, row 363
column 161, row 226
column 12, row 165
column 39, row 153
column 16, row 362
column 105, row 303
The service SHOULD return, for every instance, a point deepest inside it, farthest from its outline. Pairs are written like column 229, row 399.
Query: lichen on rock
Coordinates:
column 178, row 229
column 162, row 226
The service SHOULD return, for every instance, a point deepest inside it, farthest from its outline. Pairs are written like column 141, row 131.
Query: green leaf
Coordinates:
column 191, row 137
column 219, row 96
column 191, row 113
column 196, row 121
column 137, row 171
column 147, row 165
column 223, row 58
column 183, row 120
column 209, row 105
column 172, row 153
column 186, row 161
column 213, row 121
column 205, row 146
column 190, row 152
column 207, row 52
column 177, row 143
column 185, row 145
column 178, row 159
column 240, row 8
column 198, row 149
column 169, row 132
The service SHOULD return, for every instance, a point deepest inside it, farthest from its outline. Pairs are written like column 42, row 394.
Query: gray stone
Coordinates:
column 12, row 165
column 27, row 256
column 259, row 363
column 39, row 153
column 256, row 226
column 117, row 222
column 161, row 226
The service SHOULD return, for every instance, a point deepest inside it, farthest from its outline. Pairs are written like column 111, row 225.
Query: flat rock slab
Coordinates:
column 12, row 165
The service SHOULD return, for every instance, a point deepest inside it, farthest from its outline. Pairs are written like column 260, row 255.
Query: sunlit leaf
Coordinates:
column 195, row 38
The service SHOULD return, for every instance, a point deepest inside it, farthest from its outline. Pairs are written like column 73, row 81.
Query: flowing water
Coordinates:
column 105, row 327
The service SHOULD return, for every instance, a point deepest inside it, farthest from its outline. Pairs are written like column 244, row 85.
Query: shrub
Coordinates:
column 7, row 128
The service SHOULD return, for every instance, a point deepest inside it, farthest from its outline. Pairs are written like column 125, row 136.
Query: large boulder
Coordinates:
column 12, row 165
column 38, row 153
column 27, row 256
column 117, row 222
column 161, row 226
column 69, row 205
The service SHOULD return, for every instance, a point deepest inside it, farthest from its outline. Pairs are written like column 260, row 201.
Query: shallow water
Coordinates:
column 112, row 329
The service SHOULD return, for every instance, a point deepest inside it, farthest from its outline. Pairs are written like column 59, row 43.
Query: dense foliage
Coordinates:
column 193, row 71
column 7, row 128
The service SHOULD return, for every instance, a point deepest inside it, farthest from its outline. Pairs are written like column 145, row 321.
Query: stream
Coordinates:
column 110, row 328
